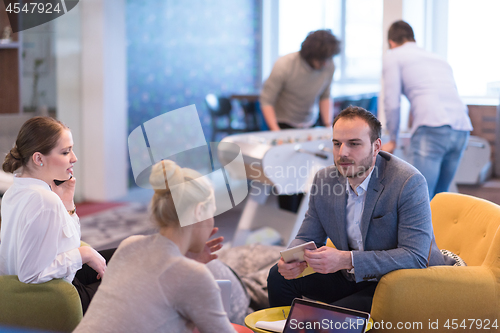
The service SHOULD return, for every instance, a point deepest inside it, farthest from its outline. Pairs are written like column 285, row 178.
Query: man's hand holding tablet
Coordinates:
column 328, row 260
column 296, row 253
column 292, row 262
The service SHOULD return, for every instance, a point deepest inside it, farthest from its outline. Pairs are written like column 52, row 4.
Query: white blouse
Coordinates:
column 39, row 240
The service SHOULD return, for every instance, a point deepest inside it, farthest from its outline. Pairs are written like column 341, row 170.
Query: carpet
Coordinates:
column 89, row 207
column 106, row 229
column 490, row 190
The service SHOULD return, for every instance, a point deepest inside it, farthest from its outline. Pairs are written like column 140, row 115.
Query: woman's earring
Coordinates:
column 41, row 164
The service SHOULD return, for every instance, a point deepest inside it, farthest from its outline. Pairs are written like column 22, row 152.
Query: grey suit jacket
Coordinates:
column 396, row 223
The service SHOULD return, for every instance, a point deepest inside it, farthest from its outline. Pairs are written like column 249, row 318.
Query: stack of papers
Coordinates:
column 275, row 326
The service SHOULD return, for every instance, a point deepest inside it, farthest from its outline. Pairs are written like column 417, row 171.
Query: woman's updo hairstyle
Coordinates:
column 38, row 134
column 166, row 174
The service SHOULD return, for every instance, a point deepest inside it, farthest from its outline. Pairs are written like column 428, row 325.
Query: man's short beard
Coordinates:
column 364, row 166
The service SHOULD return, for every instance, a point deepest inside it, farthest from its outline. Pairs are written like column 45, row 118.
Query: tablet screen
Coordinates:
column 312, row 317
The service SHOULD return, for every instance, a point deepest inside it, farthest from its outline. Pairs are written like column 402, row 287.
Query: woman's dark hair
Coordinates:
column 38, row 134
column 358, row 112
column 319, row 45
column 401, row 32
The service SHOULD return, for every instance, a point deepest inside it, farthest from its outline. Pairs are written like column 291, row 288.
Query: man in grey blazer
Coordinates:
column 375, row 209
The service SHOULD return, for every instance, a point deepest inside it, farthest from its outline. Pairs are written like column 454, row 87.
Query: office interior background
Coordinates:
column 106, row 67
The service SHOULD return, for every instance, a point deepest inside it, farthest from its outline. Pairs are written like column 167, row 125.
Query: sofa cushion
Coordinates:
column 458, row 261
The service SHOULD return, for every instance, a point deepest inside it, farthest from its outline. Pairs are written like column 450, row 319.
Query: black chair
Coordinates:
column 251, row 118
column 369, row 104
column 220, row 111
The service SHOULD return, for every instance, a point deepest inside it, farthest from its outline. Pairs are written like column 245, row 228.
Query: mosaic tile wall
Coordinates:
column 178, row 51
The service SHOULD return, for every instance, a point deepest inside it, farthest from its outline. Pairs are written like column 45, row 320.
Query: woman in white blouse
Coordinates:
column 40, row 231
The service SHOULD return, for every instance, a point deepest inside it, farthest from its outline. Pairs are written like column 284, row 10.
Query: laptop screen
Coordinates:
column 312, row 317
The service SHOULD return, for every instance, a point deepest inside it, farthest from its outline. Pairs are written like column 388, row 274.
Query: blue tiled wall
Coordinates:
column 180, row 50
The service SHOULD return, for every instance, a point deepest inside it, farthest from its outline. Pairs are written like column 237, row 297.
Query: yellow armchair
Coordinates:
column 445, row 295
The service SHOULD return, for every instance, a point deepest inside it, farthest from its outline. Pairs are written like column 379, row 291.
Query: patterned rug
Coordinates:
column 90, row 207
column 107, row 229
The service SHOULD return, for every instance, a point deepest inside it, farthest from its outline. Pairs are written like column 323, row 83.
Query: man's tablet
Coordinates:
column 297, row 253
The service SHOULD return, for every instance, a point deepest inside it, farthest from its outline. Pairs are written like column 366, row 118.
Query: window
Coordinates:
column 298, row 17
column 363, row 39
column 357, row 23
column 473, row 51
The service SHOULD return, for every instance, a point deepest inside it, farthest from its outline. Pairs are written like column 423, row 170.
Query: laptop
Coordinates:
column 225, row 292
column 314, row 317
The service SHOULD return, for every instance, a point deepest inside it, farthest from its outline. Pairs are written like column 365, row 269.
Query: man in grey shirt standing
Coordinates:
column 297, row 80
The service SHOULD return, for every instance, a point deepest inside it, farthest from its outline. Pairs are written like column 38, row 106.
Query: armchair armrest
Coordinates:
column 437, row 293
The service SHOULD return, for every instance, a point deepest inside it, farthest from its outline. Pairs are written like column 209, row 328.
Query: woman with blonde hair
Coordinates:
column 40, row 232
column 151, row 285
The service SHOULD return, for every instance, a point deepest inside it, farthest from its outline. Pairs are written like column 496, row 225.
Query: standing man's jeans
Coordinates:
column 436, row 153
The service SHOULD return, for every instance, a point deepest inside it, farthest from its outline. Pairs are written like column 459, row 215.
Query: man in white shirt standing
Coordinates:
column 440, row 122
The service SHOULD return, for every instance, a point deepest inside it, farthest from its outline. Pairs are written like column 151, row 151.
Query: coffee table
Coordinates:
column 271, row 314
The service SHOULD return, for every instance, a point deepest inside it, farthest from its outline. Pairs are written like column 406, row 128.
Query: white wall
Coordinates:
column 68, row 80
column 270, row 34
column 92, row 94
column 393, row 11
column 104, row 99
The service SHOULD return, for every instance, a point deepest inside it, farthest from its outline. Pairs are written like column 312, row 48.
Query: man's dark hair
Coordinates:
column 319, row 45
column 352, row 112
column 401, row 32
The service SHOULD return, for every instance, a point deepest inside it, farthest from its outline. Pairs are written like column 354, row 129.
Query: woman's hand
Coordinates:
column 211, row 246
column 92, row 258
column 66, row 191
